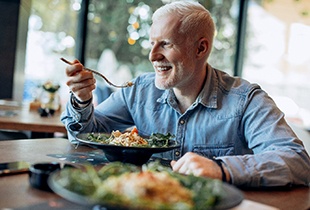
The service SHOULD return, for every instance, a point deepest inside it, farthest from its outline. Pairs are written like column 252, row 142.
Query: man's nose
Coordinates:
column 155, row 54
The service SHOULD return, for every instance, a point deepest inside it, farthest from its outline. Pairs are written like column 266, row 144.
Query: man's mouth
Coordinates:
column 162, row 67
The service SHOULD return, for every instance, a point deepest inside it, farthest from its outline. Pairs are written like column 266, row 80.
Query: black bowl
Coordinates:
column 126, row 154
column 39, row 174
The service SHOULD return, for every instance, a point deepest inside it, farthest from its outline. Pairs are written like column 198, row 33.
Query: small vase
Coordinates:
column 50, row 101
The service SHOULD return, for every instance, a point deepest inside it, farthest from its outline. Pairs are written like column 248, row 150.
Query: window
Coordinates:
column 52, row 33
column 276, row 53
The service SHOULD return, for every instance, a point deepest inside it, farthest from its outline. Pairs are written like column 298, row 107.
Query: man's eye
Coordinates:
column 164, row 44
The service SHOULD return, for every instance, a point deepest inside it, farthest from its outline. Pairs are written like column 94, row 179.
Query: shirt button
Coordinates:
column 77, row 117
column 177, row 153
column 182, row 122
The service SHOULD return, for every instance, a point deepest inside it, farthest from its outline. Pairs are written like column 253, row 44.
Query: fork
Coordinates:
column 127, row 84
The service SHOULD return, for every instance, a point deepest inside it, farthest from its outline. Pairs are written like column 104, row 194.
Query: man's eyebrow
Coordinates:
column 160, row 40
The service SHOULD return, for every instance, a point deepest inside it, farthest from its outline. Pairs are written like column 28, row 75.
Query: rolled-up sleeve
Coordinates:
column 76, row 120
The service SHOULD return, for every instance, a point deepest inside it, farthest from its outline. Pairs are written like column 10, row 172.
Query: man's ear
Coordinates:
column 203, row 47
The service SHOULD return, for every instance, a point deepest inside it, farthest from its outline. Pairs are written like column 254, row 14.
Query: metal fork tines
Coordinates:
column 127, row 84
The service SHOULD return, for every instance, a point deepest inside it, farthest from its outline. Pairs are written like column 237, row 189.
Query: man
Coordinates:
column 228, row 128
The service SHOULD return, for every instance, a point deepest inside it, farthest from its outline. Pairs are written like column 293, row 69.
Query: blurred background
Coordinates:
column 263, row 41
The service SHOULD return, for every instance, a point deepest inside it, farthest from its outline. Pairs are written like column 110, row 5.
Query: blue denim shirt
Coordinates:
column 231, row 119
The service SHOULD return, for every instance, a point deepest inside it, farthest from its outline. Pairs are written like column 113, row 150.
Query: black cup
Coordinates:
column 39, row 174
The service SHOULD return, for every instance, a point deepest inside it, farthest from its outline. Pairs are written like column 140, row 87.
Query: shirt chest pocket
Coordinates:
column 211, row 151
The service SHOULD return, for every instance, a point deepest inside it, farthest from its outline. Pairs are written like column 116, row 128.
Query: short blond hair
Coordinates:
column 196, row 20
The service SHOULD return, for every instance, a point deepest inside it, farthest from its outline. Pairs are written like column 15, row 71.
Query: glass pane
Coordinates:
column 276, row 54
column 225, row 15
column 117, row 38
column 51, row 35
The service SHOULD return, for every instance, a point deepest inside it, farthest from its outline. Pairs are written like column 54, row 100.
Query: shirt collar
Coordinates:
column 165, row 96
column 208, row 94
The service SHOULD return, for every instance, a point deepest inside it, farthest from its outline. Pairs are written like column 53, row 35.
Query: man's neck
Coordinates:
column 188, row 95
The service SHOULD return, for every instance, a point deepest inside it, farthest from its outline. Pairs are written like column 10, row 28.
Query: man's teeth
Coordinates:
column 163, row 68
column 159, row 66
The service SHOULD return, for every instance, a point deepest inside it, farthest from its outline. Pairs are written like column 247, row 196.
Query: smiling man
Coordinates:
column 179, row 64
column 228, row 128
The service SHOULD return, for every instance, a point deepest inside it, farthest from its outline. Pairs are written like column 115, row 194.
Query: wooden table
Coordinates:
column 16, row 192
column 21, row 118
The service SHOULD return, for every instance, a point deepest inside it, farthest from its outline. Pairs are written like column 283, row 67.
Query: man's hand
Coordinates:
column 80, row 82
column 192, row 163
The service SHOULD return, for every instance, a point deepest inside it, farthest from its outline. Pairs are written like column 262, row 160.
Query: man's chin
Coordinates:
column 161, row 85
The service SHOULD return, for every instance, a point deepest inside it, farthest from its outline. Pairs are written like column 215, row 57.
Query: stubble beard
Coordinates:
column 171, row 81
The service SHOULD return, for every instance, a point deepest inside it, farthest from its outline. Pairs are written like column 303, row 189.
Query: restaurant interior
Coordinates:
column 263, row 41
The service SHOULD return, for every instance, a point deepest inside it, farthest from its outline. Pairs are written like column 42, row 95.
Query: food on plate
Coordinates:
column 146, row 189
column 127, row 139
column 131, row 139
column 152, row 186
